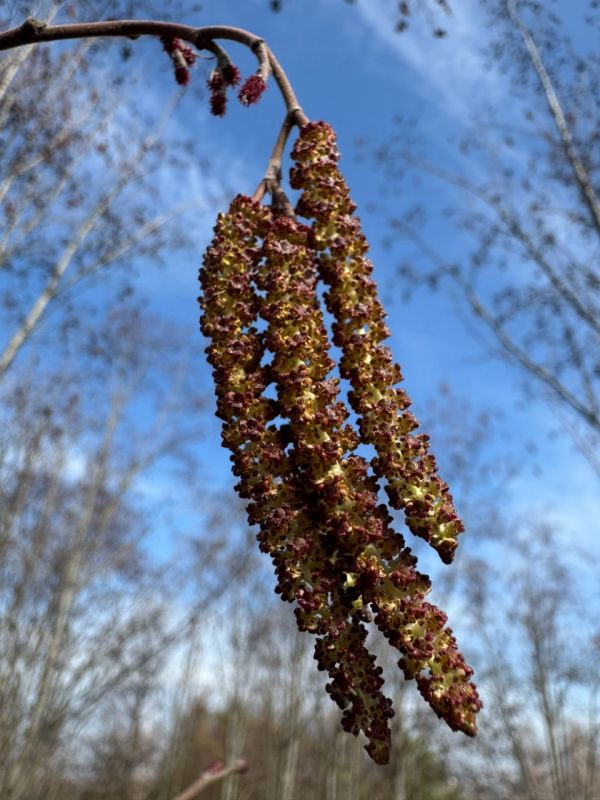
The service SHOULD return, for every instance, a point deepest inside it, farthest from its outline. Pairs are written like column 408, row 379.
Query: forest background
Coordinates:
column 140, row 638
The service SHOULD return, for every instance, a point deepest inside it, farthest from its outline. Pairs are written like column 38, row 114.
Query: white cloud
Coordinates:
column 452, row 71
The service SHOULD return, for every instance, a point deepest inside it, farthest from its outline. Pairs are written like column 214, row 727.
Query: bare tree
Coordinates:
column 83, row 612
column 79, row 189
column 542, row 733
column 527, row 591
column 526, row 197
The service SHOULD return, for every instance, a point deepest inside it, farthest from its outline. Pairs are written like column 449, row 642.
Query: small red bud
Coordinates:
column 182, row 75
column 231, row 74
column 252, row 90
column 218, row 104
column 181, row 55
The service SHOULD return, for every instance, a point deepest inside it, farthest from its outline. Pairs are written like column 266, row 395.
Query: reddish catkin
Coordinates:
column 182, row 56
column 225, row 75
column 252, row 90
column 403, row 459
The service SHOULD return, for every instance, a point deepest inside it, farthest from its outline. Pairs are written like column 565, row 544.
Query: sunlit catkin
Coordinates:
column 403, row 459
column 315, row 500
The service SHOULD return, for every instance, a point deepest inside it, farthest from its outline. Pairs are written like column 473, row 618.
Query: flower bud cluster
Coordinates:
column 403, row 458
column 252, row 90
column 313, row 498
column 182, row 56
column 270, row 477
column 225, row 75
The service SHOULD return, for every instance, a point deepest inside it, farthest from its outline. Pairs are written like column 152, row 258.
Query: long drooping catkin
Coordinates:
column 403, row 459
column 272, row 478
column 314, row 499
column 370, row 562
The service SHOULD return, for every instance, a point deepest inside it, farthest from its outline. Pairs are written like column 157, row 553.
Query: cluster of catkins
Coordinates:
column 314, row 500
column 224, row 76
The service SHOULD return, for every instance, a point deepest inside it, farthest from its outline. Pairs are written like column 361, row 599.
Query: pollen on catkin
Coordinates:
column 403, row 459
column 314, row 499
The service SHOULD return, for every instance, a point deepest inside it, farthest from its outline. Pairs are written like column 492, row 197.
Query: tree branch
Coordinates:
column 533, row 367
column 582, row 177
column 33, row 31
column 509, row 345
column 32, row 319
column 212, row 776
column 272, row 176
column 513, row 227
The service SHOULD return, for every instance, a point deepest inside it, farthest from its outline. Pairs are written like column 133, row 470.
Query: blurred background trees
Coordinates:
column 524, row 194
column 140, row 640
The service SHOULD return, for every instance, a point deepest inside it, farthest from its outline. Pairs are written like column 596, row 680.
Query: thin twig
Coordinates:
column 513, row 226
column 273, row 172
column 212, row 776
column 582, row 177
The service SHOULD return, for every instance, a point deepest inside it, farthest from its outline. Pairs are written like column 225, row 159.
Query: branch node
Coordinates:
column 280, row 203
column 33, row 25
column 201, row 42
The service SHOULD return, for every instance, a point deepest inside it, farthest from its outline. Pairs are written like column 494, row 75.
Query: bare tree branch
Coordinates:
column 33, row 31
column 210, row 777
column 582, row 176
